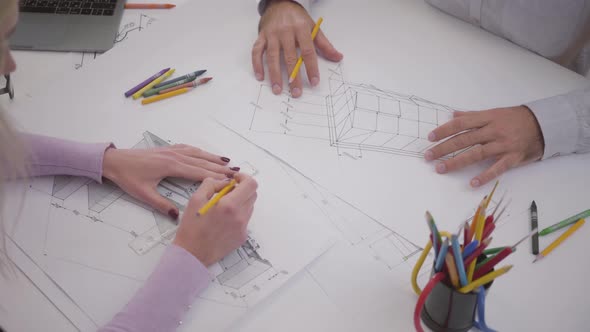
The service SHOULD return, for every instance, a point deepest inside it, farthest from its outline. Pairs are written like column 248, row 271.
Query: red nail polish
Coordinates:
column 173, row 214
column 235, row 169
column 225, row 159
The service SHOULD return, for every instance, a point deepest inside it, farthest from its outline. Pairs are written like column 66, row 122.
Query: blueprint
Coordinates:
column 85, row 234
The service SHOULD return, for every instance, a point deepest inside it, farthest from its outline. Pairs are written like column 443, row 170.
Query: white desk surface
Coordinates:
column 24, row 308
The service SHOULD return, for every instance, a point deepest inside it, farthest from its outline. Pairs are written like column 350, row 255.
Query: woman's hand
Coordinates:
column 138, row 171
column 510, row 135
column 285, row 25
column 212, row 236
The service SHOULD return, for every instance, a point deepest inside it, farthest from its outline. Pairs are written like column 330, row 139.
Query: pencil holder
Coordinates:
column 447, row 310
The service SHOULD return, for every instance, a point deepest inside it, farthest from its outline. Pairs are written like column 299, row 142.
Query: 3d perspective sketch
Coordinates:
column 353, row 118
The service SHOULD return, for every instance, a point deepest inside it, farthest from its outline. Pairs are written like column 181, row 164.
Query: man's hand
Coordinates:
column 510, row 135
column 284, row 26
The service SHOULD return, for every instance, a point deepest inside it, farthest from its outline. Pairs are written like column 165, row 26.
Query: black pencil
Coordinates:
column 534, row 225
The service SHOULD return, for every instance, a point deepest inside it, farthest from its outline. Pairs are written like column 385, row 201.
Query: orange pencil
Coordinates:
column 149, row 6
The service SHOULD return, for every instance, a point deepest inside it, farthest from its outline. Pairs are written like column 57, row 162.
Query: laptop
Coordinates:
column 67, row 25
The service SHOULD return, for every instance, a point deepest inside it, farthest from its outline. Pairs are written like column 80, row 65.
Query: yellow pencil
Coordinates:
column 217, row 197
column 485, row 279
column 479, row 226
column 165, row 95
column 560, row 239
column 314, row 33
column 152, row 83
column 491, row 194
column 452, row 270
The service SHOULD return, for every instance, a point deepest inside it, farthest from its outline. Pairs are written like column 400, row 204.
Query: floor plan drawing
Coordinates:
column 353, row 118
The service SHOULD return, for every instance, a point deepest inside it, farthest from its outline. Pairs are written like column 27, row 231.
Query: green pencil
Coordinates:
column 155, row 91
column 565, row 223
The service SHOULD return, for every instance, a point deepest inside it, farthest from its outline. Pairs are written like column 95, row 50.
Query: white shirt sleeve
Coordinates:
column 304, row 3
column 564, row 122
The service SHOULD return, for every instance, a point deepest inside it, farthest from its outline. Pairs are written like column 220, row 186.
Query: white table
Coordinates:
column 422, row 71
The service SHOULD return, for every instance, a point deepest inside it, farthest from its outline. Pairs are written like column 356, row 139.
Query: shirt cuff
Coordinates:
column 559, row 124
column 262, row 4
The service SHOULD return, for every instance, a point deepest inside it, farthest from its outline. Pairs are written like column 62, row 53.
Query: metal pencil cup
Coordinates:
column 447, row 310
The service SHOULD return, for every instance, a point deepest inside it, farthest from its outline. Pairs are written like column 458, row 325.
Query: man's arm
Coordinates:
column 564, row 122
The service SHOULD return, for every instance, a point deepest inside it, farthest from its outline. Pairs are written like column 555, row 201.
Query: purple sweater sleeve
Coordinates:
column 165, row 297
column 54, row 156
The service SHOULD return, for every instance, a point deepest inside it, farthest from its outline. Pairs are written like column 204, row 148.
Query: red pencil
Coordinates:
column 149, row 6
column 487, row 267
column 487, row 231
column 477, row 252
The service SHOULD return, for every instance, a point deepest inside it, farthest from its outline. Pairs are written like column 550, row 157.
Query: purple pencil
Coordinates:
column 146, row 82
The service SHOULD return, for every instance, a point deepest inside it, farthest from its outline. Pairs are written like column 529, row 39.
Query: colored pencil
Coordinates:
column 193, row 84
column 149, row 6
column 485, row 279
column 560, row 240
column 475, row 219
column 473, row 257
column 140, row 92
column 487, row 231
column 491, row 195
column 458, row 261
column 217, row 197
column 194, row 74
column 488, row 266
column 440, row 259
column 452, row 270
column 165, row 96
column 534, row 225
column 146, row 82
column 492, row 251
column 565, row 223
column 154, row 91
column 314, row 33
column 469, row 249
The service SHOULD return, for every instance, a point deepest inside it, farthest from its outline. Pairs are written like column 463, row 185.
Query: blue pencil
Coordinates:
column 470, row 248
column 440, row 259
column 459, row 261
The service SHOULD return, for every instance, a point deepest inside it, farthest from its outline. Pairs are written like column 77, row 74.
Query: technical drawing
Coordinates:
column 352, row 118
column 131, row 22
column 235, row 277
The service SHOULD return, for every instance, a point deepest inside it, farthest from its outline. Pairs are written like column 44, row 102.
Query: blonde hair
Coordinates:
column 12, row 156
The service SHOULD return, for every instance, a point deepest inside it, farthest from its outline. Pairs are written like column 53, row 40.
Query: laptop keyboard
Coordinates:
column 69, row 7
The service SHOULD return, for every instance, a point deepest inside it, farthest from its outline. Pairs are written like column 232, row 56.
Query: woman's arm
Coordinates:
column 165, row 297
column 54, row 156
column 181, row 275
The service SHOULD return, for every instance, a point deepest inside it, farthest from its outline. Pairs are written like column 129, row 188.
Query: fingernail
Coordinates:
column 235, row 169
column 276, row 89
column 259, row 76
column 225, row 159
column 314, row 81
column 431, row 136
column 173, row 214
column 296, row 92
column 475, row 183
column 429, row 155
column 441, row 168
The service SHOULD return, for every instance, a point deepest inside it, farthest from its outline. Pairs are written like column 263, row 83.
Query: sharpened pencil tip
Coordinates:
column 291, row 80
column 538, row 258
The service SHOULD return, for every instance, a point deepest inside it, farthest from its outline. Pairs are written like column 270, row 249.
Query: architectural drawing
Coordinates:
column 132, row 22
column 234, row 278
column 353, row 118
